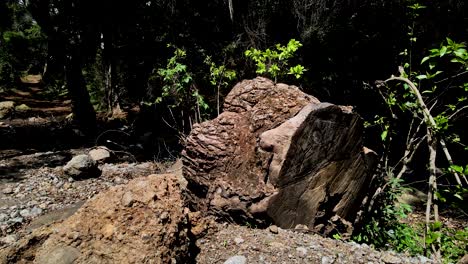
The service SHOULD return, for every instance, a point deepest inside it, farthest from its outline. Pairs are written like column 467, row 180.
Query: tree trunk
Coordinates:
column 83, row 112
column 277, row 153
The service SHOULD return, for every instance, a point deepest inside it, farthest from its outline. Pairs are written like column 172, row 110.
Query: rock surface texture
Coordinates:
column 277, row 153
column 141, row 222
column 81, row 167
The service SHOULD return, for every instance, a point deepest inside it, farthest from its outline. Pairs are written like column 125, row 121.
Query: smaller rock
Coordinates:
column 273, row 229
column 327, row 260
column 17, row 220
column 35, row 211
column 3, row 217
column 301, row 227
column 60, row 255
column 25, row 213
column 22, row 108
column 301, row 252
column 100, row 154
column 14, row 214
column 10, row 239
column 8, row 190
column 127, row 199
column 238, row 240
column 390, row 259
column 236, row 260
column 82, row 167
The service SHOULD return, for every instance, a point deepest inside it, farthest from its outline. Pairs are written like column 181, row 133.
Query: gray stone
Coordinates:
column 100, row 154
column 25, row 213
column 10, row 239
column 238, row 240
column 60, row 255
column 14, row 214
column 327, row 260
column 273, row 229
column 17, row 220
column 35, row 211
column 82, row 167
column 236, row 260
column 3, row 217
column 391, row 259
column 301, row 252
column 8, row 190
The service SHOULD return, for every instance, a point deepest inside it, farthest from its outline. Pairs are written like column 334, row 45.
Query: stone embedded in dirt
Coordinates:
column 236, row 260
column 82, row 167
column 8, row 190
column 104, row 230
column 273, row 229
column 6, row 108
column 60, row 255
column 100, row 154
column 278, row 153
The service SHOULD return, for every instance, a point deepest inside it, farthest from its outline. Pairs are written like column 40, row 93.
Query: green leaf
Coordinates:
column 384, row 135
column 421, row 77
column 425, row 59
column 457, row 168
column 442, row 51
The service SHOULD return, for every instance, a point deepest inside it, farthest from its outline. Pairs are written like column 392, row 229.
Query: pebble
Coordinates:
column 8, row 190
column 10, row 239
column 238, row 240
column 17, row 220
column 236, row 260
column 301, row 252
column 3, row 217
column 25, row 213
column 35, row 211
column 327, row 260
column 273, row 229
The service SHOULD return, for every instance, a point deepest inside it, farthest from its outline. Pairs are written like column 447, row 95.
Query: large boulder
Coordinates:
column 277, row 153
column 142, row 222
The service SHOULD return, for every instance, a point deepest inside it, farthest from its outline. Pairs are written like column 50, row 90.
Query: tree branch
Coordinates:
column 429, row 120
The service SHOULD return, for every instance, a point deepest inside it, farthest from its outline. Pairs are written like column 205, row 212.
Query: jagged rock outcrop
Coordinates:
column 144, row 221
column 276, row 152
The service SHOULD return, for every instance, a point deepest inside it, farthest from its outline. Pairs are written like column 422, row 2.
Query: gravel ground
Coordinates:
column 35, row 192
column 238, row 244
column 39, row 195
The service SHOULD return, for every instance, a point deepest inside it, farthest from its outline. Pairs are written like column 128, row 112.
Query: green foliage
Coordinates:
column 220, row 77
column 22, row 46
column 275, row 62
column 219, row 74
column 438, row 80
column 384, row 228
column 178, row 82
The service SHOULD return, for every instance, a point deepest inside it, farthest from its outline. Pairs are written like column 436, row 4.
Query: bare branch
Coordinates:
column 430, row 120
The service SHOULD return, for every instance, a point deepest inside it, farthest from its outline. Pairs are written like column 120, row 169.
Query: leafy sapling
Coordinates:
column 274, row 62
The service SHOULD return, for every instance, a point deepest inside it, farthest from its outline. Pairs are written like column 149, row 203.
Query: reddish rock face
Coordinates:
column 276, row 152
column 141, row 222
